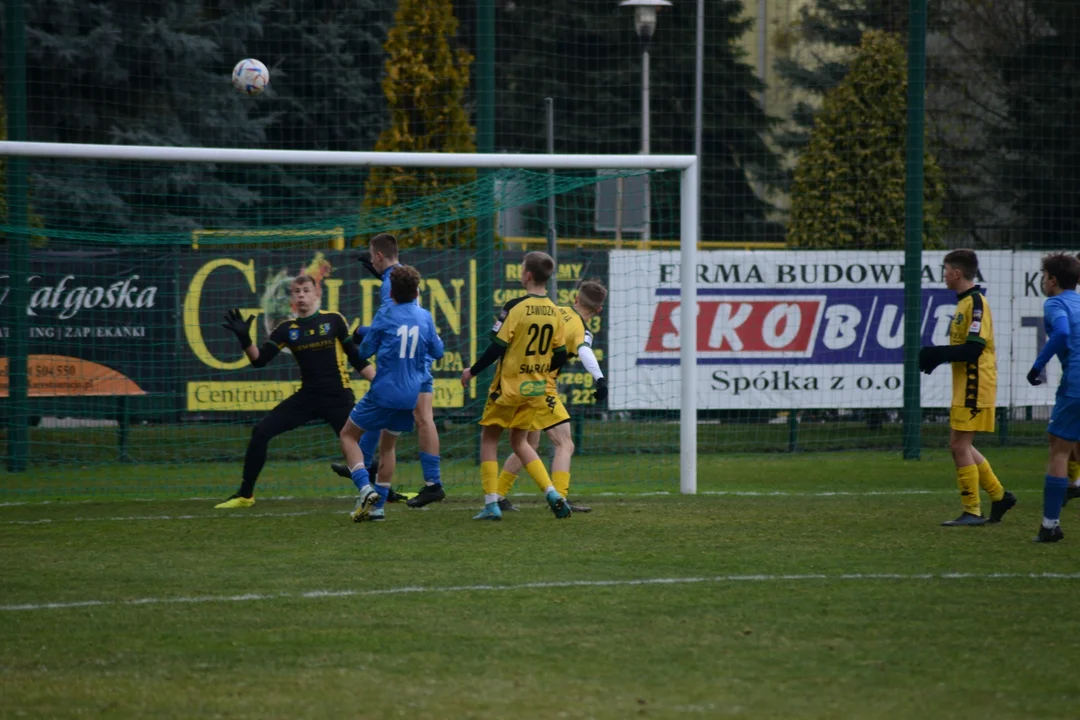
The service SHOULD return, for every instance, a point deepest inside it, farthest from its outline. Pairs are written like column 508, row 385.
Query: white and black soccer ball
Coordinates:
column 250, row 76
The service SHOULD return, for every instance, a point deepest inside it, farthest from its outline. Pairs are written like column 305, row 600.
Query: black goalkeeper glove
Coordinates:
column 1033, row 377
column 239, row 327
column 930, row 357
column 365, row 260
column 601, row 390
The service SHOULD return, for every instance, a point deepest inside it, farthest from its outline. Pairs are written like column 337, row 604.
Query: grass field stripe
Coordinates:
column 655, row 493
column 123, row 518
column 544, row 585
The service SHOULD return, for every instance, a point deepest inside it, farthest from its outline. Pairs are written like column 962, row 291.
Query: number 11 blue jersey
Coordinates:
column 401, row 338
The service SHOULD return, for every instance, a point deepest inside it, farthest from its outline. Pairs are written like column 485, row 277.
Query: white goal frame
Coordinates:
column 687, row 165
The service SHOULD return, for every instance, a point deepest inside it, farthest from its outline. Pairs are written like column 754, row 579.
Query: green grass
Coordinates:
column 453, row 646
column 188, row 442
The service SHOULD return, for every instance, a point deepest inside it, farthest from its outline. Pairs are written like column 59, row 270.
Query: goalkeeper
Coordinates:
column 553, row 418
column 313, row 337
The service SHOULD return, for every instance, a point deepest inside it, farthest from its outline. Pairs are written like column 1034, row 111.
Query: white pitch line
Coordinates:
column 422, row 590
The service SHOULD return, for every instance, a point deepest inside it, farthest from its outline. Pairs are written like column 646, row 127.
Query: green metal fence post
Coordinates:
column 18, row 241
column 913, row 228
column 793, row 430
column 485, row 143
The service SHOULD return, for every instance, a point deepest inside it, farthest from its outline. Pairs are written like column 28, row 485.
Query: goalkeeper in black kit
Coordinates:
column 313, row 337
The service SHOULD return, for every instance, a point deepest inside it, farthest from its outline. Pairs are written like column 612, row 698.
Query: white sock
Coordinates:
column 491, row 498
column 1050, row 524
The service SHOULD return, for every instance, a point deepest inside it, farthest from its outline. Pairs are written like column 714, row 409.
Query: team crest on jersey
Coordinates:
column 294, row 334
column 324, row 328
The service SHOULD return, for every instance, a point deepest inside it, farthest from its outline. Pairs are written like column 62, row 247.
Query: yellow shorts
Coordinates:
column 551, row 414
column 518, row 413
column 972, row 419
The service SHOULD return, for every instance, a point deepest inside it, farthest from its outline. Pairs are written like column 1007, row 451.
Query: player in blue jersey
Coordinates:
column 381, row 258
column 1061, row 314
column 402, row 338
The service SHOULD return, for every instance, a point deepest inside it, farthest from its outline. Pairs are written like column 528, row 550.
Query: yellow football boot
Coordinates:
column 235, row 501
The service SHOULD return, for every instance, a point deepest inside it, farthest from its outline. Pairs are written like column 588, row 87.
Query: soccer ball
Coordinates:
column 250, row 77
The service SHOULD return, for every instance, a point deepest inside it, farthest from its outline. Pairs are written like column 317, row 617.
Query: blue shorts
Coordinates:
column 427, row 386
column 369, row 416
column 1065, row 420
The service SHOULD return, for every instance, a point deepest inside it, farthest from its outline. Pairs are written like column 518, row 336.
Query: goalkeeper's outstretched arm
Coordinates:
column 241, row 328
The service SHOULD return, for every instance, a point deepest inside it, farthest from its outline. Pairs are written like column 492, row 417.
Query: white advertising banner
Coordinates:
column 799, row 329
column 1029, row 331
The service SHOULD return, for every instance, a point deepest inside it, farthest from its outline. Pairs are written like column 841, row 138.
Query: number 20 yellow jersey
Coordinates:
column 531, row 329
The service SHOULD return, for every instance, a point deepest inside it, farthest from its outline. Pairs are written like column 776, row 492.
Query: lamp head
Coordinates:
column 645, row 15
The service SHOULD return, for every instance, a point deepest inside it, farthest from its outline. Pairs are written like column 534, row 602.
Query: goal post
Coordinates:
column 687, row 228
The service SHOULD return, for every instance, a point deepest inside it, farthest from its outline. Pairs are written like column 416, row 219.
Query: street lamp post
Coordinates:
column 645, row 25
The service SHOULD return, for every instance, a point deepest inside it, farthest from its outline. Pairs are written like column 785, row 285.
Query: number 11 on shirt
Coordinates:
column 406, row 334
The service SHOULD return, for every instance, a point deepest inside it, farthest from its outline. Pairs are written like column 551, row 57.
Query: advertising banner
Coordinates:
column 217, row 374
column 787, row 329
column 100, row 324
column 218, row 377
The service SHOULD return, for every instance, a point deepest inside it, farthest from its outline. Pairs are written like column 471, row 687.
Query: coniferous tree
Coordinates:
column 827, row 31
column 849, row 187
column 427, row 75
column 148, row 72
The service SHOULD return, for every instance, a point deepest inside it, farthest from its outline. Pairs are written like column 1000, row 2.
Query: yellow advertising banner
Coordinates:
column 258, row 395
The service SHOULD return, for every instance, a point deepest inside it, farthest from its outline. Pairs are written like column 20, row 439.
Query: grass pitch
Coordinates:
column 805, row 586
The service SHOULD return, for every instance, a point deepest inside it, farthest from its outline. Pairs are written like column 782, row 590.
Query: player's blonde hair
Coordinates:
column 591, row 295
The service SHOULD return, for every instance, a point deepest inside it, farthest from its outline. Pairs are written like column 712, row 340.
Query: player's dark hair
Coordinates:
column 1063, row 268
column 965, row 261
column 404, row 284
column 591, row 294
column 540, row 266
column 301, row 279
column 384, row 243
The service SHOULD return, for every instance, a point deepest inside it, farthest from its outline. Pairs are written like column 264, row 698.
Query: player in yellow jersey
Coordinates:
column 528, row 343
column 971, row 351
column 553, row 419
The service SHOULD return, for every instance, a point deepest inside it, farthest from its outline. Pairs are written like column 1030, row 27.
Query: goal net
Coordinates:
column 132, row 387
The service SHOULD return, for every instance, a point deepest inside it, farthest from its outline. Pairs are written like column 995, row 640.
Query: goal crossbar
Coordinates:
column 529, row 161
column 687, row 165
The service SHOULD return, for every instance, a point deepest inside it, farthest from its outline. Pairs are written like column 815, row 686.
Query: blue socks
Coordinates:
column 360, row 478
column 384, row 492
column 1053, row 497
column 368, row 442
column 430, row 466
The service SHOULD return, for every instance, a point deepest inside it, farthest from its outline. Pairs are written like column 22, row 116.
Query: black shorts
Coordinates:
column 305, row 406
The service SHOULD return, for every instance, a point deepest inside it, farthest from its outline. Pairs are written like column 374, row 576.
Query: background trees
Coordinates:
column 849, row 181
